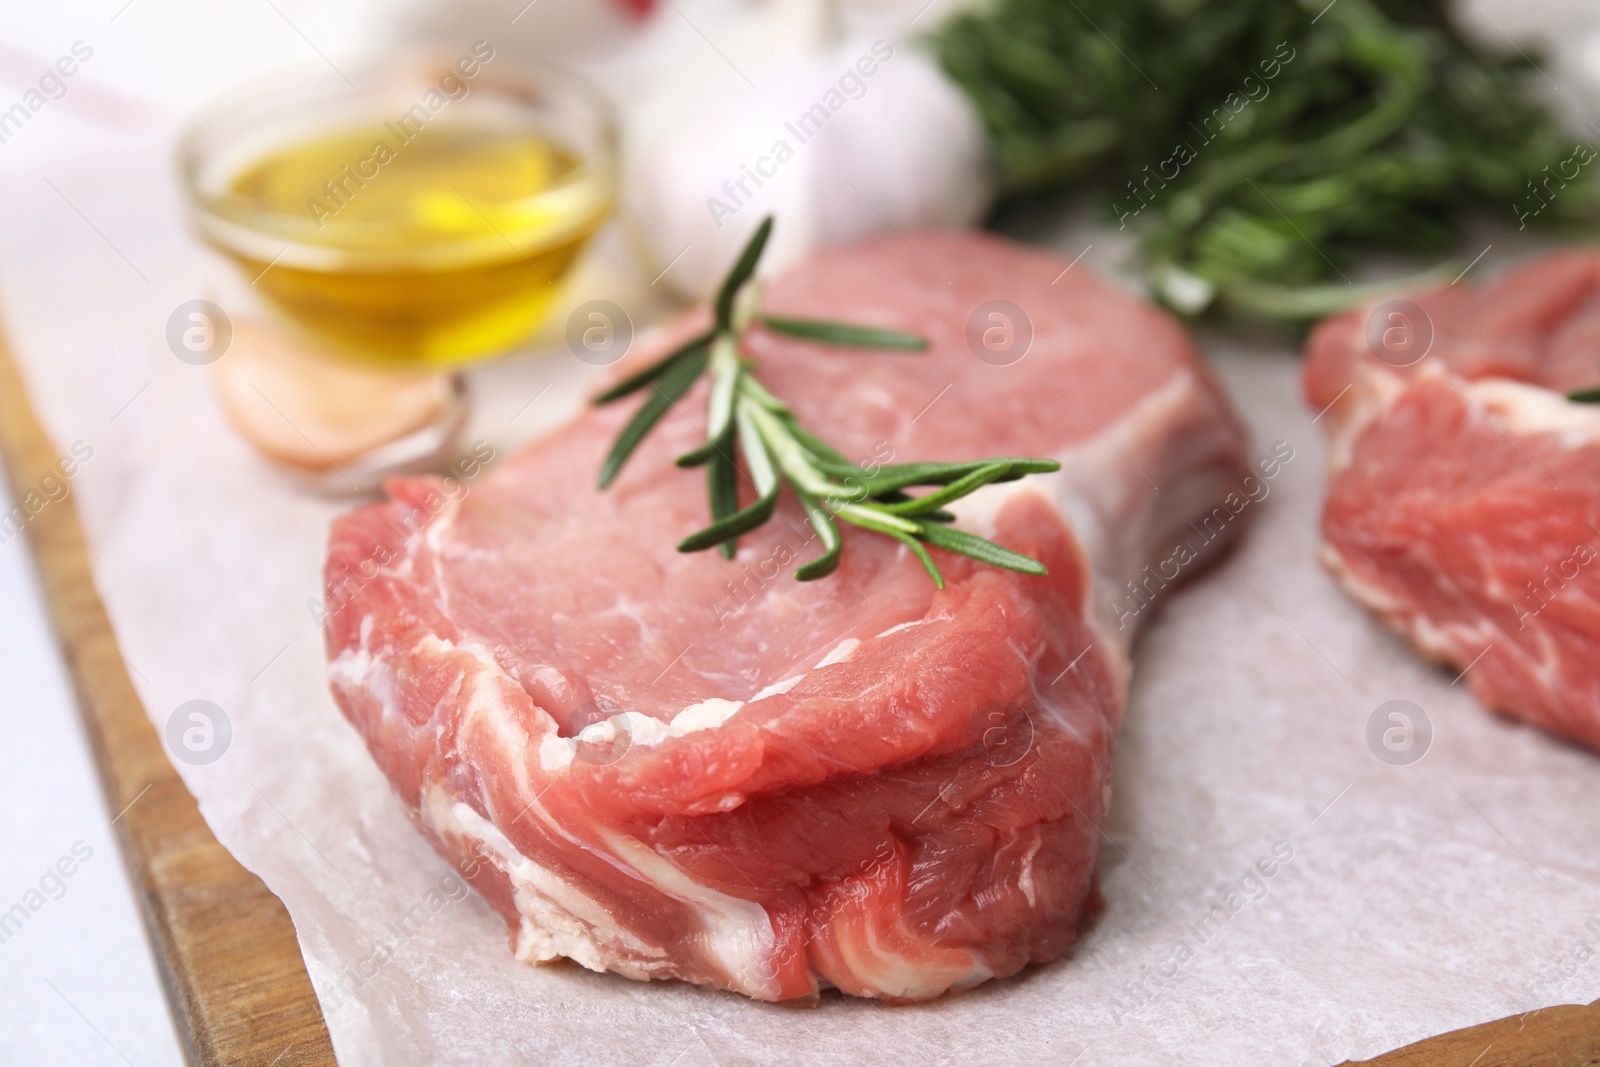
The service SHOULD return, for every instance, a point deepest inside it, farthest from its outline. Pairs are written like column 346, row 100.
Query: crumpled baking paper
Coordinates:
column 1281, row 885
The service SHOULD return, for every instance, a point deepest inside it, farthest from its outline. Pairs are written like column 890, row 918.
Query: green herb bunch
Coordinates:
column 1255, row 146
column 778, row 451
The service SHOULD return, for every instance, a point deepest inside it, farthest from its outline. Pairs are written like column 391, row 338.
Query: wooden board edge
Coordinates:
column 225, row 945
column 1564, row 1036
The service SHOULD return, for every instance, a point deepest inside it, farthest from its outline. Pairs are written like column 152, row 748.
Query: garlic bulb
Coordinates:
column 864, row 135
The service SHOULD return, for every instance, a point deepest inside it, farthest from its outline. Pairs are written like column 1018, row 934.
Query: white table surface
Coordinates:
column 77, row 981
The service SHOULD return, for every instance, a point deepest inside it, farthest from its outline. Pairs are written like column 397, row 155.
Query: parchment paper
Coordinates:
column 1403, row 900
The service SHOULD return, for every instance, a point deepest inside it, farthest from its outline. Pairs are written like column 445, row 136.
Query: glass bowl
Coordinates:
column 423, row 215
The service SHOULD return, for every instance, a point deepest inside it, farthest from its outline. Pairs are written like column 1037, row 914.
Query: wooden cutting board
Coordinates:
column 225, row 945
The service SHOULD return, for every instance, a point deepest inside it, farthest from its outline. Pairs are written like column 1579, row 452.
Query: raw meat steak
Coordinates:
column 676, row 766
column 1465, row 490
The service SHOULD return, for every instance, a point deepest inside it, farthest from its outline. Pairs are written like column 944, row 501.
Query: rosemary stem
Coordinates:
column 790, row 456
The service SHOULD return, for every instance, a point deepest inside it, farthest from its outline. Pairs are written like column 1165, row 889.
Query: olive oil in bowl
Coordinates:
column 420, row 238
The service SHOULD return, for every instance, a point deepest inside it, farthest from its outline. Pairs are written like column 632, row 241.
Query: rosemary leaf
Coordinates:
column 757, row 456
column 741, row 273
column 1590, row 395
column 843, row 333
column 698, row 457
column 898, row 497
column 871, row 517
column 758, row 392
column 954, row 491
column 724, row 386
column 639, row 380
column 827, row 530
column 980, row 549
column 829, row 460
column 902, row 475
column 722, row 485
column 730, row 527
column 746, row 519
column 672, row 384
column 922, row 557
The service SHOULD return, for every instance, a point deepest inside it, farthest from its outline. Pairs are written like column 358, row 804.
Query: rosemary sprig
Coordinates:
column 1286, row 140
column 778, row 451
